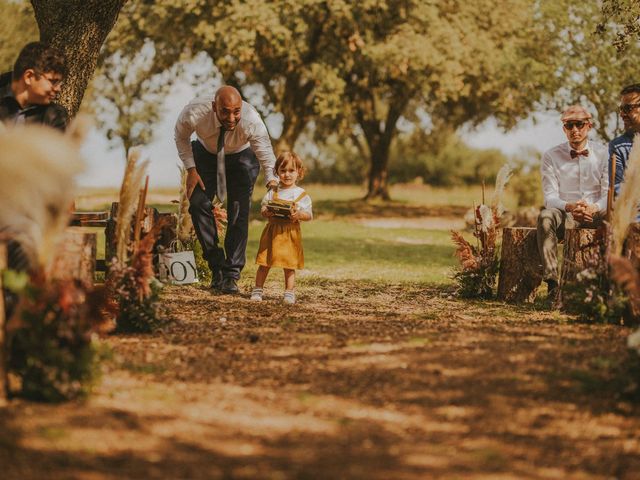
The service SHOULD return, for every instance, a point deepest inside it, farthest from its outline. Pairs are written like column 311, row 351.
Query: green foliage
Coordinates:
column 137, row 314
column 594, row 298
column 593, row 71
column 477, row 283
column 51, row 347
column 526, row 186
column 447, row 163
column 202, row 266
column 623, row 14
column 18, row 27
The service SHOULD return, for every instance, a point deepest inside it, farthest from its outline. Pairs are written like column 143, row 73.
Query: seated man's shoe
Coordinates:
column 216, row 281
column 230, row 285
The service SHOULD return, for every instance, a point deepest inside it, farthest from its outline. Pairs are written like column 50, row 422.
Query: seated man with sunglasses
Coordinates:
column 621, row 146
column 27, row 93
column 575, row 181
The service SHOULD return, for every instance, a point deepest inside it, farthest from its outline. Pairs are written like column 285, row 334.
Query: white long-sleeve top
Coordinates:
column 567, row 180
column 290, row 194
column 199, row 117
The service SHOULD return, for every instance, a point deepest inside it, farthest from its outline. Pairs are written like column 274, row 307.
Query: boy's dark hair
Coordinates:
column 40, row 57
column 633, row 88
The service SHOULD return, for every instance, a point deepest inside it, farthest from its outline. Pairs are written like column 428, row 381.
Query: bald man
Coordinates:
column 231, row 145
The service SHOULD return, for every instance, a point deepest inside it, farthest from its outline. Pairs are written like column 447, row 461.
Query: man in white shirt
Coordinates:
column 231, row 145
column 575, row 180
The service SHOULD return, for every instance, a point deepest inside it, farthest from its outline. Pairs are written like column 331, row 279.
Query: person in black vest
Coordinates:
column 28, row 93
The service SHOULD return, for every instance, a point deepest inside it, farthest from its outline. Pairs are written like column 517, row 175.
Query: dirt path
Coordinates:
column 356, row 381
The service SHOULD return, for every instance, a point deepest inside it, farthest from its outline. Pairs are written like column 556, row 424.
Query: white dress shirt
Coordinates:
column 198, row 116
column 567, row 180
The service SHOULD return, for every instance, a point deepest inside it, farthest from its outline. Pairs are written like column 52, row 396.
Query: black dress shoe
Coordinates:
column 229, row 285
column 216, row 281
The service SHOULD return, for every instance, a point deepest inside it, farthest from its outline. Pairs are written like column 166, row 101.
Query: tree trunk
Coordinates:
column 378, row 174
column 3, row 332
column 520, row 267
column 78, row 28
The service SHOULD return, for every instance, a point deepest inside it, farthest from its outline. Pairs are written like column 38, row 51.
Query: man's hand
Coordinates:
column 584, row 212
column 193, row 179
column 272, row 185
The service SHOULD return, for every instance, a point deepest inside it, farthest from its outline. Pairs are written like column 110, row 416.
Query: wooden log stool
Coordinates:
column 520, row 266
column 77, row 256
column 582, row 249
column 3, row 332
column 150, row 218
column 632, row 244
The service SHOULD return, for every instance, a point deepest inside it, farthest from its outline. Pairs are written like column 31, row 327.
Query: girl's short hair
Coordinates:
column 286, row 158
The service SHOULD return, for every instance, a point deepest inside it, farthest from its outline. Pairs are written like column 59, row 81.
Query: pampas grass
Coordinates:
column 625, row 208
column 38, row 166
column 503, row 177
column 129, row 193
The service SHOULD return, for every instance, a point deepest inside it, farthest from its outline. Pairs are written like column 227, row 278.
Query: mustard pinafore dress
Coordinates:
column 281, row 242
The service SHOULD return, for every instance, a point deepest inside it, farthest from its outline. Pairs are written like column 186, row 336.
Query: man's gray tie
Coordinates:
column 221, row 189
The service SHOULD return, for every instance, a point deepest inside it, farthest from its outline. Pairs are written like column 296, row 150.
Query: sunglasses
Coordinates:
column 628, row 108
column 578, row 124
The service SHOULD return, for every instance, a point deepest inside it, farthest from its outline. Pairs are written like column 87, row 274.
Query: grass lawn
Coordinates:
column 342, row 250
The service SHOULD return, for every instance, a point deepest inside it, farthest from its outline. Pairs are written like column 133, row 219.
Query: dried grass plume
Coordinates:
column 129, row 192
column 503, row 177
column 37, row 186
column 625, row 207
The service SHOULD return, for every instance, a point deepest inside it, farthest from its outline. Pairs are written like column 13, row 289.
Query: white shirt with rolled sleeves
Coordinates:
column 198, row 116
column 567, row 180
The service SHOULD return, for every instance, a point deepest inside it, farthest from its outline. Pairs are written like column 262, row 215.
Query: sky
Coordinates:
column 105, row 166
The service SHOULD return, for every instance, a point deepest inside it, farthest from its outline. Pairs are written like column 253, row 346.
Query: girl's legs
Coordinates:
column 261, row 277
column 289, row 285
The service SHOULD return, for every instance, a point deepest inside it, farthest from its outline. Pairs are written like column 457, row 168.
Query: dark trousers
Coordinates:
column 242, row 170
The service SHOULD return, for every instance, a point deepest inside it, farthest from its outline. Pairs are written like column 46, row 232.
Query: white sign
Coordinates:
column 178, row 268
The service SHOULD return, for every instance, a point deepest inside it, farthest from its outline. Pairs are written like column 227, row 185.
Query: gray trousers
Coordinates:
column 552, row 224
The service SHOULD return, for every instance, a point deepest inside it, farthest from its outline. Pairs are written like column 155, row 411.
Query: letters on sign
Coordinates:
column 178, row 268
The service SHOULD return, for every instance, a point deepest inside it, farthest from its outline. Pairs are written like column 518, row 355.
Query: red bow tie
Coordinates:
column 575, row 153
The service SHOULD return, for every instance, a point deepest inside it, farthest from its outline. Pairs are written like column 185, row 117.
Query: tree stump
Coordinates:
column 632, row 244
column 151, row 217
column 582, row 249
column 76, row 256
column 520, row 266
column 3, row 332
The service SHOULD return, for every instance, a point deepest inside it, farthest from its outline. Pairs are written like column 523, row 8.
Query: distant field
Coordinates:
column 334, row 199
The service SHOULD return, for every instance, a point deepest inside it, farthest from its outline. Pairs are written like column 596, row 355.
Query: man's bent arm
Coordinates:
column 550, row 186
column 185, row 126
column 261, row 146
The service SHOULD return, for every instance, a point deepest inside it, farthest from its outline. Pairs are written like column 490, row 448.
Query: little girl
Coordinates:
column 281, row 240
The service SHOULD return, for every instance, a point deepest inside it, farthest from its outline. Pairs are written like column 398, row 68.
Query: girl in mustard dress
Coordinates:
column 281, row 240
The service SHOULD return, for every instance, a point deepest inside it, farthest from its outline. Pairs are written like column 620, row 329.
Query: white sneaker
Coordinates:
column 289, row 297
column 256, row 294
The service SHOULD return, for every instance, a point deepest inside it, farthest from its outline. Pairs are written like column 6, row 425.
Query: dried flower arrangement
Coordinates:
column 624, row 271
column 479, row 265
column 51, row 332
column 131, row 279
